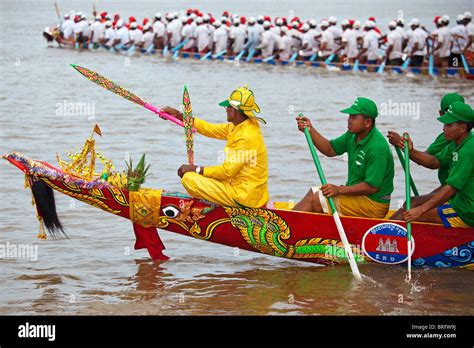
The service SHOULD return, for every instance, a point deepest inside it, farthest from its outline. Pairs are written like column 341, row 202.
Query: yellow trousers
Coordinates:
column 212, row 190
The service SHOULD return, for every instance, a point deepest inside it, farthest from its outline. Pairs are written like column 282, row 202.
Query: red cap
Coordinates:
column 116, row 17
column 103, row 14
column 212, row 20
column 295, row 19
column 372, row 19
column 267, row 18
column 145, row 21
column 131, row 19
column 225, row 14
column 243, row 20
column 189, row 11
column 140, row 27
column 436, row 19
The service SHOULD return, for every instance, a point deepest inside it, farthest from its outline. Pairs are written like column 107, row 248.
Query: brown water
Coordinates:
column 98, row 272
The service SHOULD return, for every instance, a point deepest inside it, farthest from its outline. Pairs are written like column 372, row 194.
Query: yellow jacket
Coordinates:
column 245, row 167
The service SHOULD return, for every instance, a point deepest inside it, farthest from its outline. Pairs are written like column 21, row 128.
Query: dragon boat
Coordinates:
column 273, row 230
column 461, row 72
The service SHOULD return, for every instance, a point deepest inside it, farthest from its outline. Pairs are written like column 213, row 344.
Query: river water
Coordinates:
column 98, row 272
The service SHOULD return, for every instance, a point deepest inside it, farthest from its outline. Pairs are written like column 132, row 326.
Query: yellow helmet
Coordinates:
column 243, row 99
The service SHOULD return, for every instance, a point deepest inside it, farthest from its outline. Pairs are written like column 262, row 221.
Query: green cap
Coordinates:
column 457, row 111
column 362, row 106
column 448, row 99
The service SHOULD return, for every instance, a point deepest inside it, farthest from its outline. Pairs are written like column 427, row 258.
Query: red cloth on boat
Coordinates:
column 148, row 238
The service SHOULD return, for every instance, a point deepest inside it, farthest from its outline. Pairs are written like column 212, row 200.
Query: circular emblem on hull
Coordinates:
column 387, row 243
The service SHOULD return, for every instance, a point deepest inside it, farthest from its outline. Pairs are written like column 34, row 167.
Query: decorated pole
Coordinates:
column 408, row 200
column 335, row 214
column 188, row 120
column 114, row 88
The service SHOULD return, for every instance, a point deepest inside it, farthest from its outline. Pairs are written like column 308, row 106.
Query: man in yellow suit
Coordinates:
column 242, row 179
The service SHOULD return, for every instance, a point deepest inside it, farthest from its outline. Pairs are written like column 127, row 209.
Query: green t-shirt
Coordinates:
column 370, row 161
column 437, row 146
column 460, row 161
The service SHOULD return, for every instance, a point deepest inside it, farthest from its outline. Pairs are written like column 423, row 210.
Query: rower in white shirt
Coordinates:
column 394, row 52
column 67, row 28
column 277, row 28
column 187, row 33
column 207, row 21
column 459, row 39
column 470, row 32
column 297, row 36
column 148, row 37
column 253, row 34
column 349, row 42
column 267, row 46
column 310, row 39
column 336, row 32
column 97, row 30
column 237, row 37
column 327, row 41
column 416, row 43
column 135, row 34
column 443, row 46
column 219, row 37
column 201, row 35
column 109, row 36
column 174, row 30
column 285, row 44
column 370, row 45
column 122, row 36
column 159, row 31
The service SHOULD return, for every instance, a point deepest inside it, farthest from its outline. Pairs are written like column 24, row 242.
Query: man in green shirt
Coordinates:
column 370, row 166
column 440, row 142
column 453, row 204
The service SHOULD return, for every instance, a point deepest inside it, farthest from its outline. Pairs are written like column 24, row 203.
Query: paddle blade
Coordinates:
column 188, row 121
column 109, row 85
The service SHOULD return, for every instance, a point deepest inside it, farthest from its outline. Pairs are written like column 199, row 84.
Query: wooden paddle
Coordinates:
column 335, row 214
column 408, row 199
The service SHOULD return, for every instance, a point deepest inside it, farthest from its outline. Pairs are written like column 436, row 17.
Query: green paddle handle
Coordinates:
column 322, row 177
column 407, row 182
column 403, row 163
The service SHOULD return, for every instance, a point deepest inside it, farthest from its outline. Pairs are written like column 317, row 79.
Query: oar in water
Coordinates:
column 131, row 50
column 293, row 57
column 381, row 67
column 335, row 214
column 430, row 59
column 114, row 88
column 356, row 65
column 220, row 54
column 408, row 200
column 240, row 55
column 166, row 51
column 206, row 56
column 313, row 57
column 268, row 59
column 176, row 49
column 405, row 64
column 188, row 121
column 402, row 162
column 463, row 58
column 250, row 56
column 150, row 48
column 329, row 59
